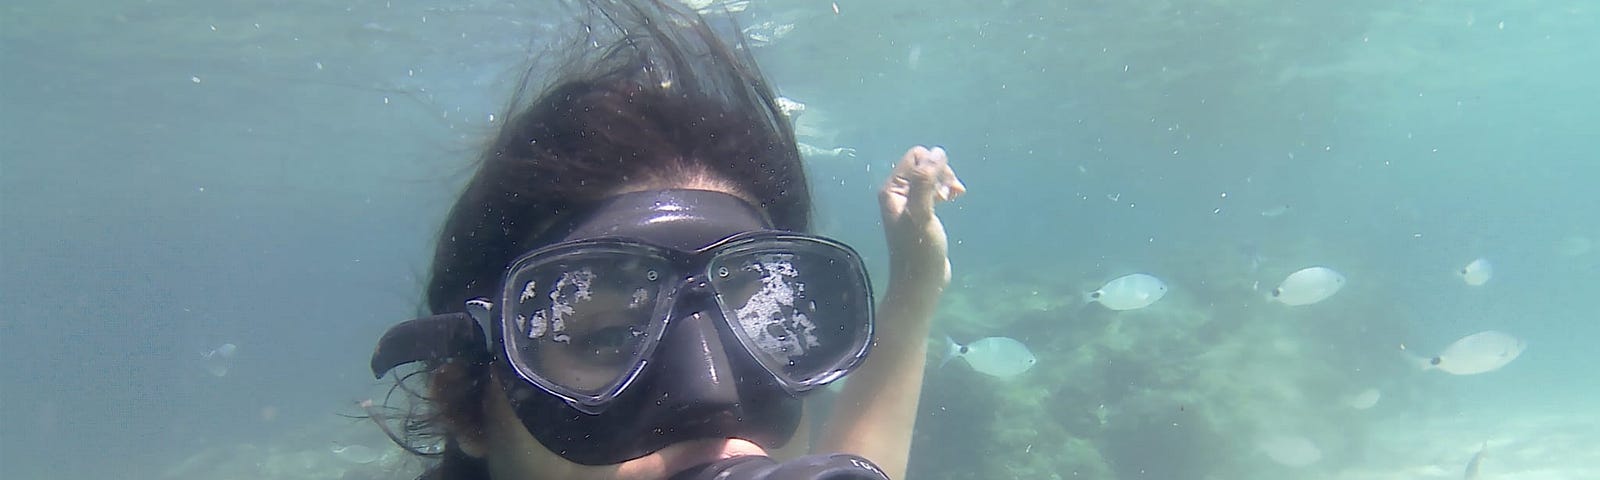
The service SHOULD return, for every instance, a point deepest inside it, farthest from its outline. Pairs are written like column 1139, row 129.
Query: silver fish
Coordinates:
column 217, row 360
column 1478, row 353
column 1001, row 357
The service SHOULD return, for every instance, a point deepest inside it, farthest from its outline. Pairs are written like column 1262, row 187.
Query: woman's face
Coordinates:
column 505, row 442
column 512, row 453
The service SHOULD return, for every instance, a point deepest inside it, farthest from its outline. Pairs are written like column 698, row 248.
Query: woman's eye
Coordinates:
column 609, row 344
column 609, row 337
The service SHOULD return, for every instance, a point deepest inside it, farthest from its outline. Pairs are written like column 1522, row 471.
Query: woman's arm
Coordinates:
column 876, row 410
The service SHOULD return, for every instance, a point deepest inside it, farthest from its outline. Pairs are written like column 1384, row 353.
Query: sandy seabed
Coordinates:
column 1519, row 447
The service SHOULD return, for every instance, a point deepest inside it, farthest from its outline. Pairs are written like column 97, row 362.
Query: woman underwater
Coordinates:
column 626, row 288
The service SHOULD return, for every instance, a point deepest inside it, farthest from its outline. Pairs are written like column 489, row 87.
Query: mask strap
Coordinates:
column 429, row 339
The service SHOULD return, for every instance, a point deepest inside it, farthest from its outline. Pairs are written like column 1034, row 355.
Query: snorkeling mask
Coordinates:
column 663, row 316
column 581, row 320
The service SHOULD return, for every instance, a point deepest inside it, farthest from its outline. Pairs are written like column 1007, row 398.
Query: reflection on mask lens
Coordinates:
column 580, row 323
column 798, row 313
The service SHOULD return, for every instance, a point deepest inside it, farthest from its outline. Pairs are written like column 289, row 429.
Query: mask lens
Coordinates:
column 802, row 307
column 578, row 323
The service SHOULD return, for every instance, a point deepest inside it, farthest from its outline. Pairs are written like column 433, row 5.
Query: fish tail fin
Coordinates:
column 1085, row 300
column 951, row 350
column 1420, row 362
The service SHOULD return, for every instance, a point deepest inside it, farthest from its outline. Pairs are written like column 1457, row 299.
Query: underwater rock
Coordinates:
column 1157, row 437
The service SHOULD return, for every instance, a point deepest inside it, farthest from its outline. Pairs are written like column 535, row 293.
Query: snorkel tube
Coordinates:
column 838, row 466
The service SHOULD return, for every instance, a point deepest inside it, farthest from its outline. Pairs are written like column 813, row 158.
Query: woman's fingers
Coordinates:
column 930, row 178
column 920, row 179
column 949, row 184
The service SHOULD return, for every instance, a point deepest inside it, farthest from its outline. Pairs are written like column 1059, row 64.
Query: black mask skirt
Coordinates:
column 662, row 317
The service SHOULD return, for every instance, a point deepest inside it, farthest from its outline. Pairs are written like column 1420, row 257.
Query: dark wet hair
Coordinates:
column 649, row 96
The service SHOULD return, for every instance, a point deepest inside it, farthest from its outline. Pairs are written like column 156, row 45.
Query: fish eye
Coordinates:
column 1094, row 295
column 1277, row 292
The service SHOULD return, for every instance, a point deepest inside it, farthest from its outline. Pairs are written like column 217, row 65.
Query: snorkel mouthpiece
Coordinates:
column 838, row 466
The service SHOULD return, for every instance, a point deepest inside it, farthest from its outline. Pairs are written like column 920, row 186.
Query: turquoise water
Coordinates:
column 178, row 175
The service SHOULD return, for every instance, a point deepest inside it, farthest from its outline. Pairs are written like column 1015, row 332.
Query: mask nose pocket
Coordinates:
column 693, row 376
